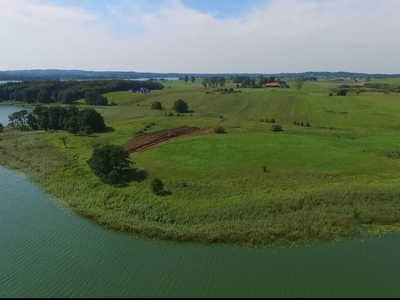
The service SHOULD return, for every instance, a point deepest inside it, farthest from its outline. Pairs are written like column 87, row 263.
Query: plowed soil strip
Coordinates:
column 156, row 139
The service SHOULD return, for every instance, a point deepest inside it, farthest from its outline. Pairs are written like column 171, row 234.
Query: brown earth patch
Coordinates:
column 156, row 139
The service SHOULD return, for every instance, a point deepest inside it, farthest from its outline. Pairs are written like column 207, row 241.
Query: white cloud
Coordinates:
column 282, row 36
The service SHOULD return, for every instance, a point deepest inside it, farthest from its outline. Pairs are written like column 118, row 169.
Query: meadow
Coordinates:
column 327, row 181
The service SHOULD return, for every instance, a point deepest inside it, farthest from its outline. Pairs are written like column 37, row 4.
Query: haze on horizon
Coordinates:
column 201, row 36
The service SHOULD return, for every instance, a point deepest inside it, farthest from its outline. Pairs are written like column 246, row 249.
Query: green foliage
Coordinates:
column 157, row 186
column 72, row 127
column 43, row 96
column 330, row 94
column 192, row 79
column 88, row 130
column 90, row 117
column 156, row 105
column 341, row 92
column 186, row 79
column 219, row 130
column 95, row 98
column 181, row 106
column 299, row 82
column 110, row 163
column 276, row 128
column 1, row 127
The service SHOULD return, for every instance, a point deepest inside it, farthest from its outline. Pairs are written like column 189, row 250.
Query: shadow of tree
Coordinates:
column 133, row 175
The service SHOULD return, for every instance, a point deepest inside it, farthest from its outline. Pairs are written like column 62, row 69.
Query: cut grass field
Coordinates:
column 319, row 183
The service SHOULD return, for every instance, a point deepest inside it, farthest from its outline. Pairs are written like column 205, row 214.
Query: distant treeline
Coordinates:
column 80, row 74
column 68, row 92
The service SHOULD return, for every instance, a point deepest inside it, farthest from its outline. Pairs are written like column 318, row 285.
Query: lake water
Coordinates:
column 6, row 110
column 48, row 251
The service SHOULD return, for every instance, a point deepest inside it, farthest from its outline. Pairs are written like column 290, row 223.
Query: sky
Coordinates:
column 201, row 36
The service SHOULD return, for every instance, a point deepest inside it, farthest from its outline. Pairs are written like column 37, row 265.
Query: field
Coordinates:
column 320, row 182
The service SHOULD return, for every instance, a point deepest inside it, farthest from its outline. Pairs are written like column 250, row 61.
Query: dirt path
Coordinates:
column 156, row 139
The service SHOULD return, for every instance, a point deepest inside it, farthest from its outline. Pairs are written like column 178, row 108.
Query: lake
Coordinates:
column 48, row 251
column 6, row 110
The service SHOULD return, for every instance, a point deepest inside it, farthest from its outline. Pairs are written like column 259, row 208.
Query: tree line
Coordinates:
column 70, row 119
column 214, row 81
column 68, row 92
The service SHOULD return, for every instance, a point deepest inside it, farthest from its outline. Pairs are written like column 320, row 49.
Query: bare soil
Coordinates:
column 156, row 139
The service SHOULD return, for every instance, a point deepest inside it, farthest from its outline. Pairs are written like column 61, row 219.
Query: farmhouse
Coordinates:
column 272, row 84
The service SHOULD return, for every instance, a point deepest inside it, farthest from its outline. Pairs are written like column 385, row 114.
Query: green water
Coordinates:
column 48, row 251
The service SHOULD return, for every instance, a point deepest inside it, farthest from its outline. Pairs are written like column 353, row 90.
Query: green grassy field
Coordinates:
column 322, row 182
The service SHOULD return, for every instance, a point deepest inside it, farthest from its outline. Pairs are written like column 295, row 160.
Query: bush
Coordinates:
column 157, row 186
column 341, row 92
column 308, row 124
column 156, row 105
column 276, row 128
column 110, row 163
column 330, row 94
column 181, row 106
column 295, row 123
column 301, row 124
column 219, row 130
column 113, row 103
column 272, row 121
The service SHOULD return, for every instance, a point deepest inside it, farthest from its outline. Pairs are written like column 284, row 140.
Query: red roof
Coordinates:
column 272, row 84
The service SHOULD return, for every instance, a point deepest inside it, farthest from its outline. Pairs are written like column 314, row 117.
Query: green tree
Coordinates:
column 156, row 105
column 271, row 79
column 192, row 79
column 88, row 130
column 19, row 120
column 72, row 127
column 95, row 98
column 110, row 163
column 157, row 186
column 181, row 106
column 66, row 97
column 186, row 79
column 1, row 127
column 43, row 96
column 221, row 81
column 205, row 82
column 90, row 117
column 299, row 82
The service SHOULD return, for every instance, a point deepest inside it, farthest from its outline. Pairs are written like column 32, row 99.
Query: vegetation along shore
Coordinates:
column 255, row 161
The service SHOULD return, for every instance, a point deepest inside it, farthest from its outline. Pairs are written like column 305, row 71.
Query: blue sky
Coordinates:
column 201, row 36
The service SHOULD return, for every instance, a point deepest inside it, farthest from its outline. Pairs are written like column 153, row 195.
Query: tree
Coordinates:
column 95, row 98
column 276, row 128
column 90, row 117
column 156, row 105
column 271, row 79
column 341, row 92
column 88, row 130
column 43, row 96
column 19, row 119
column 192, row 79
column 66, row 97
column 157, row 186
column 299, row 82
column 186, row 79
column 221, row 81
column 205, row 82
column 72, row 127
column 1, row 127
column 110, row 163
column 181, row 106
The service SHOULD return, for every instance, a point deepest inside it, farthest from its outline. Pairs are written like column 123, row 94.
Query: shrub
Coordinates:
column 113, row 103
column 170, row 114
column 295, row 123
column 272, row 121
column 181, row 106
column 301, row 124
column 157, row 186
column 219, row 130
column 330, row 94
column 266, row 120
column 265, row 169
column 341, row 92
column 308, row 124
column 276, row 128
column 156, row 105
